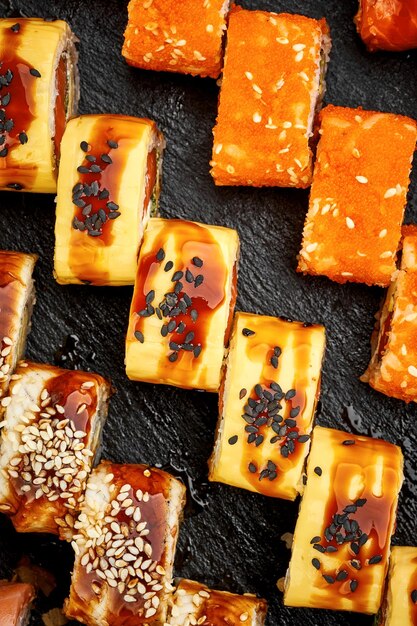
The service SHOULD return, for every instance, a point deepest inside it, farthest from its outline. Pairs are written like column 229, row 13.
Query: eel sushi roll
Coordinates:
column 387, row 25
column 194, row 603
column 108, row 187
column 268, row 396
column 357, row 200
column 172, row 36
column 392, row 369
column 17, row 297
column 51, row 430
column 399, row 607
column 183, row 303
column 38, row 94
column 124, row 547
column 341, row 542
column 267, row 109
column 15, row 603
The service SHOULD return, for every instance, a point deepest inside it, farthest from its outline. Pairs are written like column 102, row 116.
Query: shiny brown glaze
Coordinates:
column 299, row 385
column 20, row 110
column 65, row 390
column 373, row 517
column 191, row 240
column 60, row 104
column 154, row 512
column 108, row 178
column 14, row 601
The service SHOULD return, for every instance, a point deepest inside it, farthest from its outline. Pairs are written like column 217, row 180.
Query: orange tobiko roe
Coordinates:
column 388, row 24
column 176, row 36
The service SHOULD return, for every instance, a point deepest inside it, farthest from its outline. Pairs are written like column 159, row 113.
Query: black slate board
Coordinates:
column 230, row 539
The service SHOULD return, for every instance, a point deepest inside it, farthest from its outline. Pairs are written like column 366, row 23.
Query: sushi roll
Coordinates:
column 387, row 25
column 392, row 369
column 194, row 603
column 124, row 546
column 108, row 187
column 15, row 603
column 357, row 200
column 270, row 387
column 17, row 297
column 267, row 109
column 183, row 303
column 51, row 430
column 341, row 543
column 399, row 607
column 38, row 94
column 172, row 36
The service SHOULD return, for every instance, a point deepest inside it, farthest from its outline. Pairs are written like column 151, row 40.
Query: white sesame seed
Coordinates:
column 412, row 370
column 298, row 47
column 311, row 247
column 383, row 233
column 390, row 192
column 249, row 75
column 209, row 28
column 361, row 179
column 350, row 223
column 386, row 254
column 257, row 118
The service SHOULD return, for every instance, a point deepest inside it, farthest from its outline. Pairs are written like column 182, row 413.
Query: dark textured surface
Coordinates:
column 231, row 539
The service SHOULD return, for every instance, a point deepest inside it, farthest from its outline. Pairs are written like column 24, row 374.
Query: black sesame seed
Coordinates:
column 23, row 138
column 303, row 438
column 15, row 186
column 91, row 158
column 360, row 502
column 353, row 585
column 194, row 315
column 251, row 438
column 35, row 73
column 304, row 479
column 247, row 332
column 375, row 559
column 79, row 203
column 189, row 337
column 84, row 146
column 168, row 265
column 274, row 362
column 315, row 539
column 15, row 28
column 112, row 144
column 355, row 548
column 351, row 508
column 6, row 99
column 198, row 280
column 328, row 579
column 139, row 336
column 150, row 296
column 272, row 475
column 164, row 330
column 173, row 345
column 290, row 423
column 114, row 214
column 285, row 451
column 171, row 326
column 95, row 169
column 331, row 549
column 318, row 471
column 348, row 442
column 293, row 434
column 233, row 440
column 356, row 564
column 316, row 563
column 362, row 539
column 242, row 393
column 290, row 394
column 8, row 126
column 295, row 411
column 106, row 158
column 82, row 169
column 173, row 357
column 104, row 194
column 319, row 548
column 252, row 468
column 414, row 596
column 264, row 474
column 197, row 261
column 342, row 575
column 4, row 151
column 189, row 277
column 177, row 276
column 197, row 351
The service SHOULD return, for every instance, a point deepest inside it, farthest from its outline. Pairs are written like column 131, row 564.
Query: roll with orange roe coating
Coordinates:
column 387, row 24
column 272, row 87
column 393, row 366
column 358, row 197
column 173, row 36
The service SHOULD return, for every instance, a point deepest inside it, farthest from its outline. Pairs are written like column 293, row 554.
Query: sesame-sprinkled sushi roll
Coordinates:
column 51, row 430
column 172, row 36
column 357, row 200
column 183, row 303
column 108, row 187
column 17, row 297
column 125, row 546
column 399, row 607
column 266, row 110
column 387, row 25
column 38, row 94
column 194, row 603
column 268, row 396
column 15, row 603
column 341, row 542
column 393, row 366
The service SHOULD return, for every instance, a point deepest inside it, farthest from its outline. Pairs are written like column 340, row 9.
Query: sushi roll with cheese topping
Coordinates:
column 399, row 607
column 124, row 547
column 268, row 396
column 172, row 36
column 194, row 603
column 341, row 542
column 108, row 187
column 51, row 430
column 387, row 25
column 15, row 603
column 267, row 109
column 393, row 366
column 357, row 200
column 17, row 296
column 183, row 303
column 38, row 94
